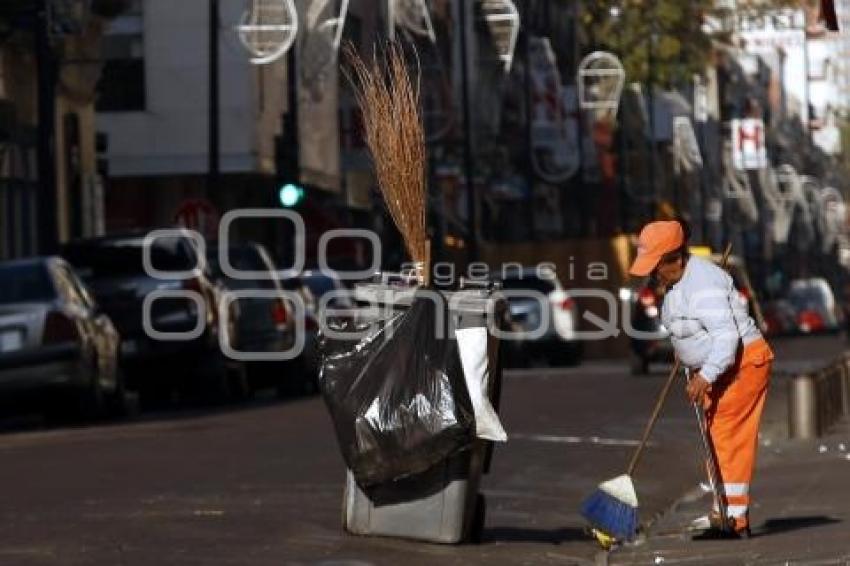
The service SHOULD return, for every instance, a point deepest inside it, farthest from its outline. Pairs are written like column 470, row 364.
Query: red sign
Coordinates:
column 748, row 147
column 198, row 214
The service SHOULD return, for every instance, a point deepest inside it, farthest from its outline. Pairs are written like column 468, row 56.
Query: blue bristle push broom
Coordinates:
column 612, row 510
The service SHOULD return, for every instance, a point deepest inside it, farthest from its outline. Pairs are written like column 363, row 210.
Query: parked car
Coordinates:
column 815, row 305
column 113, row 268
column 646, row 301
column 263, row 325
column 780, row 318
column 557, row 344
column 56, row 345
column 312, row 286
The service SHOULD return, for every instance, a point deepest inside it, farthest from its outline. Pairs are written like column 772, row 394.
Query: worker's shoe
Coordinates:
column 702, row 523
column 711, row 527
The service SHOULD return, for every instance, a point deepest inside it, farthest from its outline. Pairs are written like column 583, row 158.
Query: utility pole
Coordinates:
column 807, row 85
column 622, row 166
column 213, row 120
column 290, row 119
column 468, row 158
column 651, row 110
column 288, row 156
column 700, row 115
column 529, row 111
column 48, row 232
column 580, row 123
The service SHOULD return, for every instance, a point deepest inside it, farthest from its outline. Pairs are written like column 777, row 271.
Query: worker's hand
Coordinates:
column 697, row 388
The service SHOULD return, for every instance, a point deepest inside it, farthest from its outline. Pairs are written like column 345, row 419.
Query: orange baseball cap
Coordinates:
column 655, row 240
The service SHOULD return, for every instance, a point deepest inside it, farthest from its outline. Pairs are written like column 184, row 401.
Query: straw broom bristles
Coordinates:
column 389, row 104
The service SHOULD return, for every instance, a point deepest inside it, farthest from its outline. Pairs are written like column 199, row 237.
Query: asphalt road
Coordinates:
column 262, row 483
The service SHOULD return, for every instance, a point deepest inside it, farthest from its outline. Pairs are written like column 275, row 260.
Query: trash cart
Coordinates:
column 442, row 504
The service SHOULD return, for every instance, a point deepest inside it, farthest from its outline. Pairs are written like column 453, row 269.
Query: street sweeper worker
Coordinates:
column 722, row 348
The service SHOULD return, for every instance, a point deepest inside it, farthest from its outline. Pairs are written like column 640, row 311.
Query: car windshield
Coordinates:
column 528, row 283
column 124, row 258
column 25, row 283
column 241, row 259
column 319, row 284
column 807, row 297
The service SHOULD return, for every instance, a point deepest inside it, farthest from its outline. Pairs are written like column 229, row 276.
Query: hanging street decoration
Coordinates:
column 268, row 29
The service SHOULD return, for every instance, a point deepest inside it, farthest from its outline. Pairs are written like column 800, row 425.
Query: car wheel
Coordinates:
column 298, row 379
column 576, row 353
column 639, row 365
column 238, row 384
column 123, row 403
column 91, row 401
column 218, row 384
column 309, row 385
column 519, row 358
column 568, row 355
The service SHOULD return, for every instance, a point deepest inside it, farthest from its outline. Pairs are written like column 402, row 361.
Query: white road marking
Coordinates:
column 587, row 368
column 553, row 439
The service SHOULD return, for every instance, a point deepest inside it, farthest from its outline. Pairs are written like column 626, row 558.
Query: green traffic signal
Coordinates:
column 290, row 195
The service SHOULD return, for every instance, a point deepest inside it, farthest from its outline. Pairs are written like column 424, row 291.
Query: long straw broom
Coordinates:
column 390, row 106
column 612, row 510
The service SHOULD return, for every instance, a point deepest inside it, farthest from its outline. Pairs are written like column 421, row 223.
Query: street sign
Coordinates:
column 198, row 214
column 748, row 146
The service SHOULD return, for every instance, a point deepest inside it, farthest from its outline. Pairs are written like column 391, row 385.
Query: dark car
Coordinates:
column 264, row 323
column 179, row 350
column 780, row 318
column 314, row 285
column 56, row 346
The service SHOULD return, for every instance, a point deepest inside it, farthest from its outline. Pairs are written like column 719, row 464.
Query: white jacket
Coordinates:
column 707, row 319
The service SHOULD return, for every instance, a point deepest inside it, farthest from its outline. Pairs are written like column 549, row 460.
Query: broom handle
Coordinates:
column 659, row 404
column 662, row 397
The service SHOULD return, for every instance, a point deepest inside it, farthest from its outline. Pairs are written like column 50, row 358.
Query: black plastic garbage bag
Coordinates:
column 397, row 394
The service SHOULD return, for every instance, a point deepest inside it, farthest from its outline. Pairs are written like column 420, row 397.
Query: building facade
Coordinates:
column 154, row 114
column 50, row 186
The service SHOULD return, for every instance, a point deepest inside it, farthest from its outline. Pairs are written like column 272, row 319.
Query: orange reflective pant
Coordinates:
column 733, row 412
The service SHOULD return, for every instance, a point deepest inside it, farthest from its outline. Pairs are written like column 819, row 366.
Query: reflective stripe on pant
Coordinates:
column 733, row 410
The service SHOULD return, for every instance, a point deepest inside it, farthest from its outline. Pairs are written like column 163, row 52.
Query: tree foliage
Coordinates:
column 681, row 45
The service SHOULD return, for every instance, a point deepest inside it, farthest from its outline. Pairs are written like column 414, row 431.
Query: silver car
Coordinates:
column 549, row 335
column 56, row 347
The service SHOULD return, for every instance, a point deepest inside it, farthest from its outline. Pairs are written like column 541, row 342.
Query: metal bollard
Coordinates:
column 845, row 387
column 802, row 408
column 825, row 400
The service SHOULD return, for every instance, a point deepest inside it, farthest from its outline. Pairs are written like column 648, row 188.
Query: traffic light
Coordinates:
column 291, row 195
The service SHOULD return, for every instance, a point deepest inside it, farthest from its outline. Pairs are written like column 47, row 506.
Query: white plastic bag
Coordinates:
column 478, row 363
